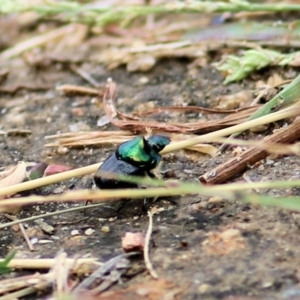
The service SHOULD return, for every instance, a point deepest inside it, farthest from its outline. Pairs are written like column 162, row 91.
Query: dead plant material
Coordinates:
column 137, row 125
column 148, row 263
column 79, row 266
column 9, row 178
column 81, row 139
column 105, row 276
column 18, row 132
column 41, row 40
column 238, row 164
column 191, row 108
column 25, row 285
column 69, row 89
column 23, row 231
column 98, row 138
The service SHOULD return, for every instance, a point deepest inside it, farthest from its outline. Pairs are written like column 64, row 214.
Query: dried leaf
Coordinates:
column 54, row 169
column 16, row 175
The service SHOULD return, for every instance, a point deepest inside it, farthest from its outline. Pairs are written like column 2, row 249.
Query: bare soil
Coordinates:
column 204, row 248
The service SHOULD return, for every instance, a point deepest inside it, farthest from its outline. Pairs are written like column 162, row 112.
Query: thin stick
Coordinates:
column 22, row 229
column 232, row 167
column 28, row 242
column 146, row 248
column 77, row 90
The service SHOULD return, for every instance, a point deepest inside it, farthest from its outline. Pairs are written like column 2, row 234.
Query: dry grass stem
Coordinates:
column 25, row 285
column 148, row 263
column 38, row 41
column 70, row 89
column 33, row 184
column 79, row 266
column 88, row 194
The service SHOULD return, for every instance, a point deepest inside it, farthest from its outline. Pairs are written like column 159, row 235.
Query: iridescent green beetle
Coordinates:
column 137, row 157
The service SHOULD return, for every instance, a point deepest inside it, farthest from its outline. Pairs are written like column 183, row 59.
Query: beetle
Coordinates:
column 136, row 157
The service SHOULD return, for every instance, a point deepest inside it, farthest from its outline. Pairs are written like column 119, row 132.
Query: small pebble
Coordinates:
column 143, row 80
column 89, row 231
column 267, row 285
column 34, row 241
column 204, row 288
column 74, row 232
column 105, row 229
column 45, row 242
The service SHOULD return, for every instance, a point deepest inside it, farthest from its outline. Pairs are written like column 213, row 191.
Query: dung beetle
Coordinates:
column 136, row 157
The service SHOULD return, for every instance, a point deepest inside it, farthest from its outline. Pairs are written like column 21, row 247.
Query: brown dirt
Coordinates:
column 206, row 248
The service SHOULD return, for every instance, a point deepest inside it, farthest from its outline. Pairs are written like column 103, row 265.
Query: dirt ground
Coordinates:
column 203, row 248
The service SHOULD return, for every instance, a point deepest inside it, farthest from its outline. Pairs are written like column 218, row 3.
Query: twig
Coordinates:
column 191, row 109
column 146, row 248
column 22, row 229
column 116, row 267
column 70, row 89
column 28, row 242
column 234, row 166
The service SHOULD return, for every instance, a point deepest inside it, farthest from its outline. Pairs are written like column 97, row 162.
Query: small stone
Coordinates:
column 133, row 241
column 214, row 200
column 75, row 232
column 269, row 162
column 105, row 229
column 143, row 80
column 267, row 284
column 45, row 242
column 89, row 231
column 204, row 288
column 34, row 241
